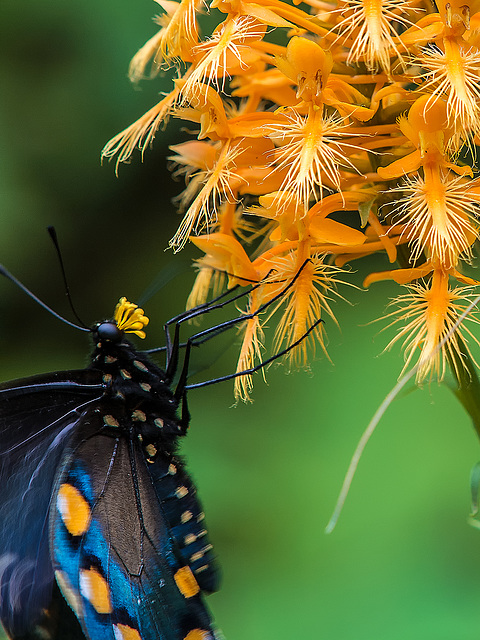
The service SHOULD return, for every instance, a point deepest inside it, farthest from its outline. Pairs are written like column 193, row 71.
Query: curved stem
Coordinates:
column 467, row 389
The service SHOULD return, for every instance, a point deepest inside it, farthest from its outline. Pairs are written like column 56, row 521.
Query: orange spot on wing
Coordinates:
column 94, row 588
column 186, row 582
column 197, row 634
column 124, row 632
column 73, row 509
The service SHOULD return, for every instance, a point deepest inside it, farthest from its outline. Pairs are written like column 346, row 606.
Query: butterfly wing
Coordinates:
column 38, row 416
column 116, row 559
column 186, row 519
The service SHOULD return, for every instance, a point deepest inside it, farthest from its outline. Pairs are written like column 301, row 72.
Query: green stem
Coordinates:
column 467, row 387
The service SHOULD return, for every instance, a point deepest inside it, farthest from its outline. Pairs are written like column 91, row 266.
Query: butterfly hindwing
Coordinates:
column 37, row 418
column 116, row 559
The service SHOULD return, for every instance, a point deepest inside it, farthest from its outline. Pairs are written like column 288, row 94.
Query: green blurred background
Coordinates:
column 402, row 563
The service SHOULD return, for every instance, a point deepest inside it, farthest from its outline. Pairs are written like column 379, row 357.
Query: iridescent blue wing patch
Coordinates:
column 116, row 557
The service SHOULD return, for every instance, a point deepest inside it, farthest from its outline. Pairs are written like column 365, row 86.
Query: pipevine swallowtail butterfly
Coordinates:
column 96, row 507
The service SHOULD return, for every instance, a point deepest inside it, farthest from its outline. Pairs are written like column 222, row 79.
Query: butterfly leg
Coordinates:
column 207, row 334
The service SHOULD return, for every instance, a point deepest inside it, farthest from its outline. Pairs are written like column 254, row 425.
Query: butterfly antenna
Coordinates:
column 53, row 235
column 4, row 272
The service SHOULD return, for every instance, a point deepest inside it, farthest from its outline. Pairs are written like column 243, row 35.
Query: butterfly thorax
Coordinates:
column 136, row 392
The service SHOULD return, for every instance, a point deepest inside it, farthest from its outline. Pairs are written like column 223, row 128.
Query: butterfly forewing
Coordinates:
column 38, row 416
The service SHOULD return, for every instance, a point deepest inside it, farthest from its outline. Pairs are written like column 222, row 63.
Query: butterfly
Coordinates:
column 96, row 507
column 95, row 501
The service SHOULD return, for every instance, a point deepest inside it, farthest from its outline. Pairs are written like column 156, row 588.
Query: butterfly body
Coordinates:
column 89, row 458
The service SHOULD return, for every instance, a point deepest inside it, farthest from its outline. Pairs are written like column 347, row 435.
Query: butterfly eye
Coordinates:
column 109, row 331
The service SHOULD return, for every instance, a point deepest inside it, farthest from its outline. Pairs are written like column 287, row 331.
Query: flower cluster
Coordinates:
column 325, row 136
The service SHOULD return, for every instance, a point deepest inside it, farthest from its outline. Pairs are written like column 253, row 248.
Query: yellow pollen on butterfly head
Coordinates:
column 186, row 583
column 130, row 318
column 74, row 509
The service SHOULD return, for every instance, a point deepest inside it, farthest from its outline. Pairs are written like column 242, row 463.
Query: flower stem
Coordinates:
column 467, row 387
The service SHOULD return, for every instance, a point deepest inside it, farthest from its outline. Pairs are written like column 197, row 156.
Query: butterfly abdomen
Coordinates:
column 150, row 405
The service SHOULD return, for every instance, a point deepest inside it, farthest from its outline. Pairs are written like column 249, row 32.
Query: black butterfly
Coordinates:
column 94, row 495
column 95, row 500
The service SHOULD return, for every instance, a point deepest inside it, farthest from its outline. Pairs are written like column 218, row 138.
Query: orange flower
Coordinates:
column 341, row 142
column 427, row 316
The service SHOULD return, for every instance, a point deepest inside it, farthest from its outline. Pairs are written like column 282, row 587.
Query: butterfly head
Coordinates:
column 127, row 318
